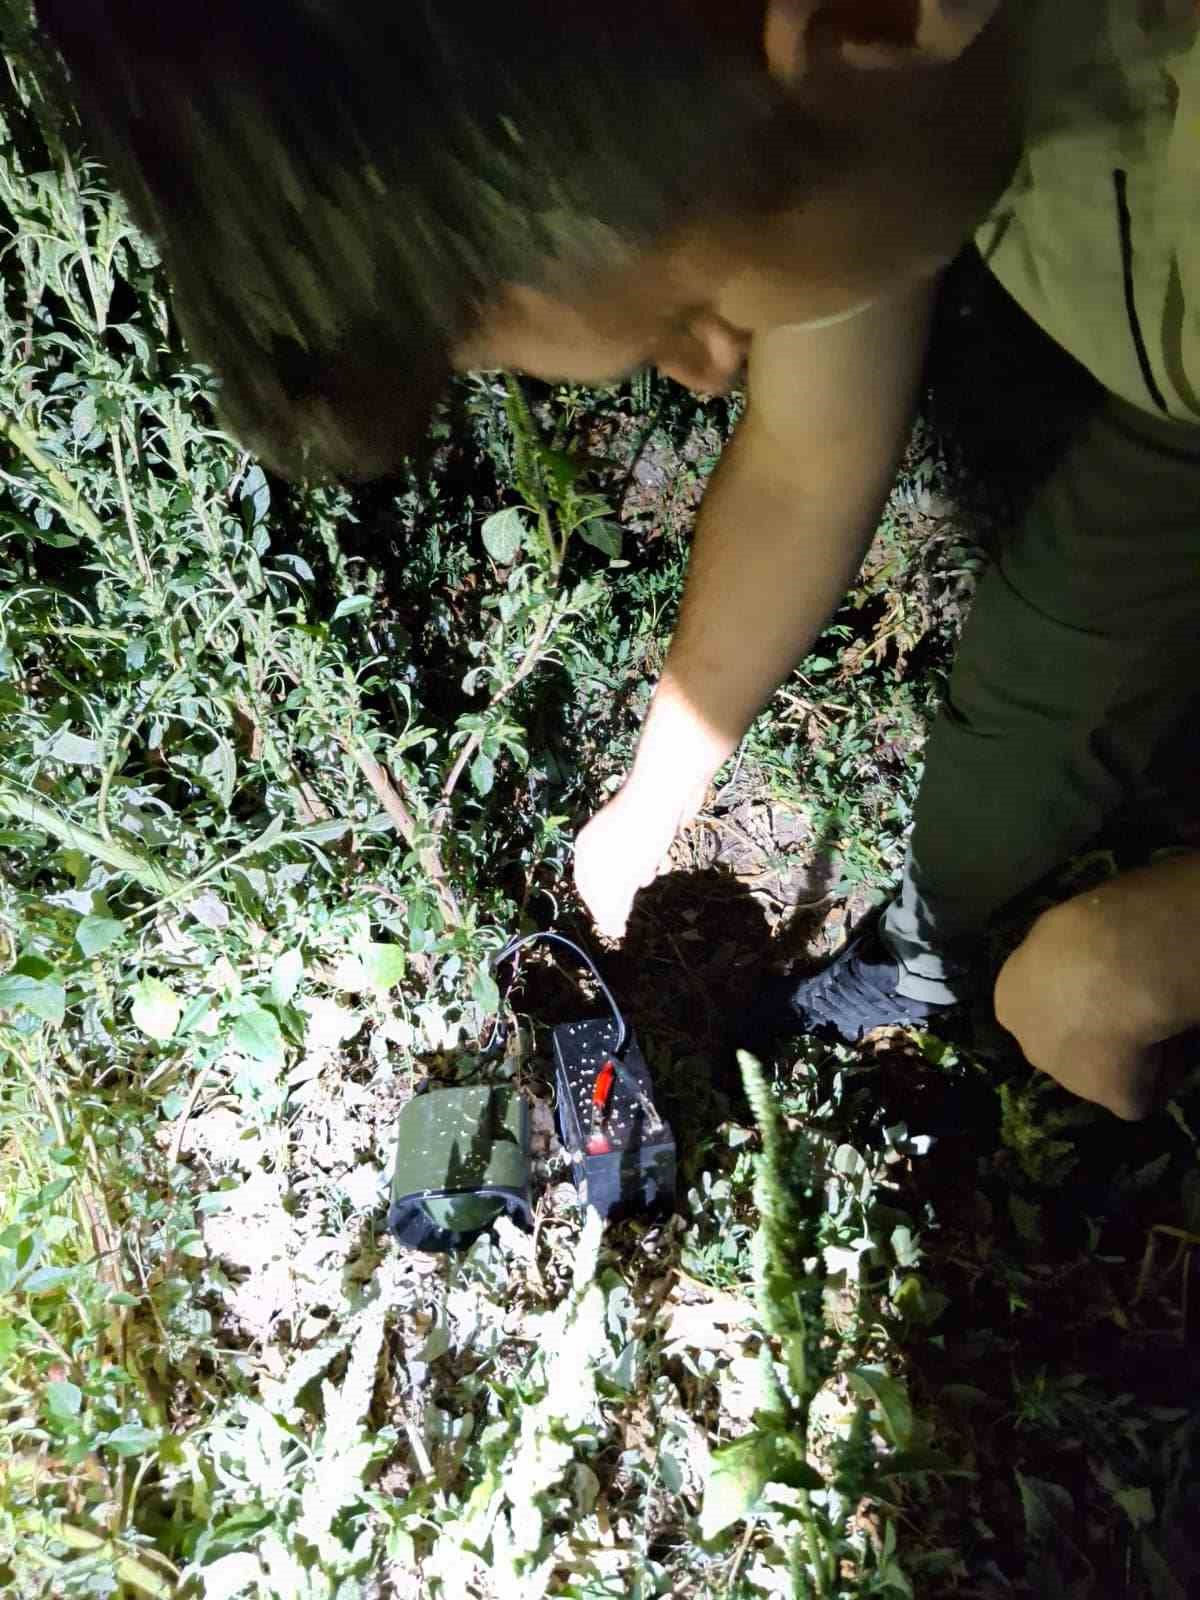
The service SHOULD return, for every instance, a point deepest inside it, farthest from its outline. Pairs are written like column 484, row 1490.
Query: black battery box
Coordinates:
column 622, row 1151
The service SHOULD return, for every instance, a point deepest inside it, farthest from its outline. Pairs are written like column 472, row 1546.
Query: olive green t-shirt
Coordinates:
column 1098, row 236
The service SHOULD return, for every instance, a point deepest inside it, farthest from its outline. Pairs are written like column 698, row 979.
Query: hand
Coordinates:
column 1065, row 996
column 620, row 851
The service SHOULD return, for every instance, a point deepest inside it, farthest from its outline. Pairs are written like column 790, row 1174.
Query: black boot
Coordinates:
column 855, row 992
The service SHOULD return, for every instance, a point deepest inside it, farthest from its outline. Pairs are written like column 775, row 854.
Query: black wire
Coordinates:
column 519, row 941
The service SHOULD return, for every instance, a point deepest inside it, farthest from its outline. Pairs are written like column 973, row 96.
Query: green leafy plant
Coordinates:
column 281, row 767
column 807, row 1482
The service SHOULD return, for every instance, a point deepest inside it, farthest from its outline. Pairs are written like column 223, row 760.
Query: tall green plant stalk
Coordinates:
column 788, row 1301
column 790, row 1307
column 533, row 483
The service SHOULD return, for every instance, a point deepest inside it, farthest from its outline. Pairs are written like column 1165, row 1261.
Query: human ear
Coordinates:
column 947, row 27
column 872, row 33
column 785, row 38
column 706, row 353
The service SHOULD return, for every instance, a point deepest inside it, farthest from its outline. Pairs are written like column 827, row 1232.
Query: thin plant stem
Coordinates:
column 139, row 555
column 67, row 498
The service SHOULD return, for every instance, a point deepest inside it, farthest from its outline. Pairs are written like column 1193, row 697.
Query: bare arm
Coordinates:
column 783, row 529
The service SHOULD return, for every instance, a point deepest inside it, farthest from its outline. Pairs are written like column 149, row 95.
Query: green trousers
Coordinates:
column 1079, row 656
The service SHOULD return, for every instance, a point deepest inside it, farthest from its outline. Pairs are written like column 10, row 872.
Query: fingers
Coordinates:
column 611, row 924
column 609, row 901
column 618, row 853
column 1122, row 1080
column 1065, row 1002
column 598, row 881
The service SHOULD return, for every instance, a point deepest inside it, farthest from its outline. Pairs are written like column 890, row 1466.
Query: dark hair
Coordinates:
column 337, row 186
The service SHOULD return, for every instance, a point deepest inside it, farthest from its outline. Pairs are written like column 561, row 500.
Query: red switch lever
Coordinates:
column 598, row 1144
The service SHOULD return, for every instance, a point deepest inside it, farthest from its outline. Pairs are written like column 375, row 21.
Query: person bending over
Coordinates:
column 354, row 200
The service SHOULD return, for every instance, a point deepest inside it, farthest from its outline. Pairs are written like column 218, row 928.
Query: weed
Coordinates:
column 281, row 767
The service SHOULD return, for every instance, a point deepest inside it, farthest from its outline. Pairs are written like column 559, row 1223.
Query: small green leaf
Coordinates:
column 737, row 1476
column 483, row 773
column 562, row 469
column 130, row 1439
column 45, row 998
column 72, row 749
column 351, row 606
column 51, row 1191
column 46, row 1278
column 790, row 1466
column 156, row 1008
column 1137, row 1504
column 255, row 496
column 33, row 966
column 323, row 832
column 256, row 1033
column 219, row 768
column 1027, row 1218
column 1047, row 1506
column 966, row 1397
column 286, row 973
column 63, row 1400
column 383, row 965
column 890, row 1396
column 95, row 934
column 196, row 1009
column 484, row 991
column 917, row 1303
column 503, row 535
column 83, row 417
column 57, row 539
column 232, row 1533
column 602, row 536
